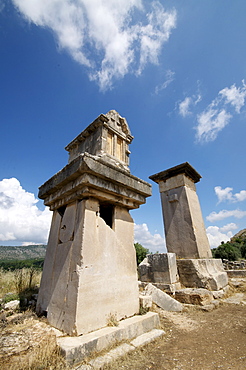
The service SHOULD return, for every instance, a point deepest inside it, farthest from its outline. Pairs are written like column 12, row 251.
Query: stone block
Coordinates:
column 12, row 305
column 159, row 268
column 76, row 349
column 171, row 288
column 196, row 296
column 163, row 300
column 146, row 338
column 144, row 270
column 145, row 301
column 218, row 294
column 236, row 273
column 101, row 361
column 121, row 350
column 202, row 273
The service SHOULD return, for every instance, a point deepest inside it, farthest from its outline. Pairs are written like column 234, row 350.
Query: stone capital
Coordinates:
column 90, row 176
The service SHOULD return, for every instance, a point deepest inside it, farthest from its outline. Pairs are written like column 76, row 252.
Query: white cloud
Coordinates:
column 20, row 218
column 216, row 234
column 188, row 102
column 216, row 116
column 210, row 123
column 234, row 96
column 241, row 196
column 169, row 77
column 223, row 194
column 147, row 240
column 226, row 194
column 229, row 227
column 184, row 107
column 103, row 34
column 237, row 213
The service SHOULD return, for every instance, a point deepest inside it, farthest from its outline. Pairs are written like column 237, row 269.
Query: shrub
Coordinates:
column 141, row 252
column 227, row 251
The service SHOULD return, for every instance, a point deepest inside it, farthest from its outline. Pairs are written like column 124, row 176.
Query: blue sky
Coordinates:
column 174, row 69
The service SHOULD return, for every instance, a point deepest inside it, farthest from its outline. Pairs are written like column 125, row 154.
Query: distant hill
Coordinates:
column 240, row 235
column 22, row 253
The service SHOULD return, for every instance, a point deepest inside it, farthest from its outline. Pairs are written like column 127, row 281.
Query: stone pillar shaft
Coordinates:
column 184, row 227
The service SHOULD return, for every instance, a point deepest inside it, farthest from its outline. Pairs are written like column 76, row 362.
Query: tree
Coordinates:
column 229, row 251
column 141, row 252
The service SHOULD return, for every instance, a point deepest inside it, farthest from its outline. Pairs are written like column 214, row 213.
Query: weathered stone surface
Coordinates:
column 184, row 227
column 196, row 296
column 101, row 361
column 90, row 271
column 89, row 176
column 218, row 294
column 237, row 298
column 145, row 301
column 75, row 349
column 146, row 338
column 171, row 288
column 236, row 273
column 121, row 350
column 12, row 305
column 202, row 273
column 168, row 287
column 81, row 266
column 163, row 300
column 159, row 268
column 107, row 137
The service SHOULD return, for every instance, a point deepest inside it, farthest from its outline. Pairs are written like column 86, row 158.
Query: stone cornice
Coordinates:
column 184, row 168
column 87, row 176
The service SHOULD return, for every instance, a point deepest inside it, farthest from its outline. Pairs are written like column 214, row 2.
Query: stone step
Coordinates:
column 76, row 349
column 121, row 350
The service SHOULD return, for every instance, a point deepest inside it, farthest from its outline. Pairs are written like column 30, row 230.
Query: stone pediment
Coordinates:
column 107, row 137
column 118, row 123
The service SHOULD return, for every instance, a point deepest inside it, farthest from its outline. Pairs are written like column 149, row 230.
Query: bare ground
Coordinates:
column 194, row 339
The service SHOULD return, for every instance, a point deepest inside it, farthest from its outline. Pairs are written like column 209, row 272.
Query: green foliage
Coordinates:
column 233, row 250
column 141, row 252
column 20, row 264
column 10, row 297
column 227, row 251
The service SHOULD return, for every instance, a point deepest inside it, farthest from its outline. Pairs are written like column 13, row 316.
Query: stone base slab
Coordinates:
column 121, row 350
column 77, row 349
column 170, row 288
column 196, row 296
column 236, row 273
column 202, row 273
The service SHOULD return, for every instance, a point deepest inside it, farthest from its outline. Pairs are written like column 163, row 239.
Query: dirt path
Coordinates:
column 195, row 340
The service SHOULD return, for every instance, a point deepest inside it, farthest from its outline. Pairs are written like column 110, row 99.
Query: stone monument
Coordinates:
column 160, row 269
column 184, row 229
column 90, row 272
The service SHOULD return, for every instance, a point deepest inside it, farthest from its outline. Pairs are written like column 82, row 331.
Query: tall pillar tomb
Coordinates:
column 90, row 272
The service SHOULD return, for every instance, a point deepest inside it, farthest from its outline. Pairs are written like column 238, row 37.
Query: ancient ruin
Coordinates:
column 184, row 229
column 160, row 269
column 90, row 272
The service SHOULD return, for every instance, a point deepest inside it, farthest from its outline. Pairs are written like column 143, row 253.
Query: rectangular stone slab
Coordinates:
column 75, row 349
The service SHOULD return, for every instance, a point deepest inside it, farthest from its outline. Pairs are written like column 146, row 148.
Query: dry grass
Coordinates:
column 19, row 281
column 28, row 343
column 112, row 320
column 7, row 283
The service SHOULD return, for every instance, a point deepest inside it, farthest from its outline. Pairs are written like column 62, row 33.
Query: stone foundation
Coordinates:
column 202, row 273
column 160, row 268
